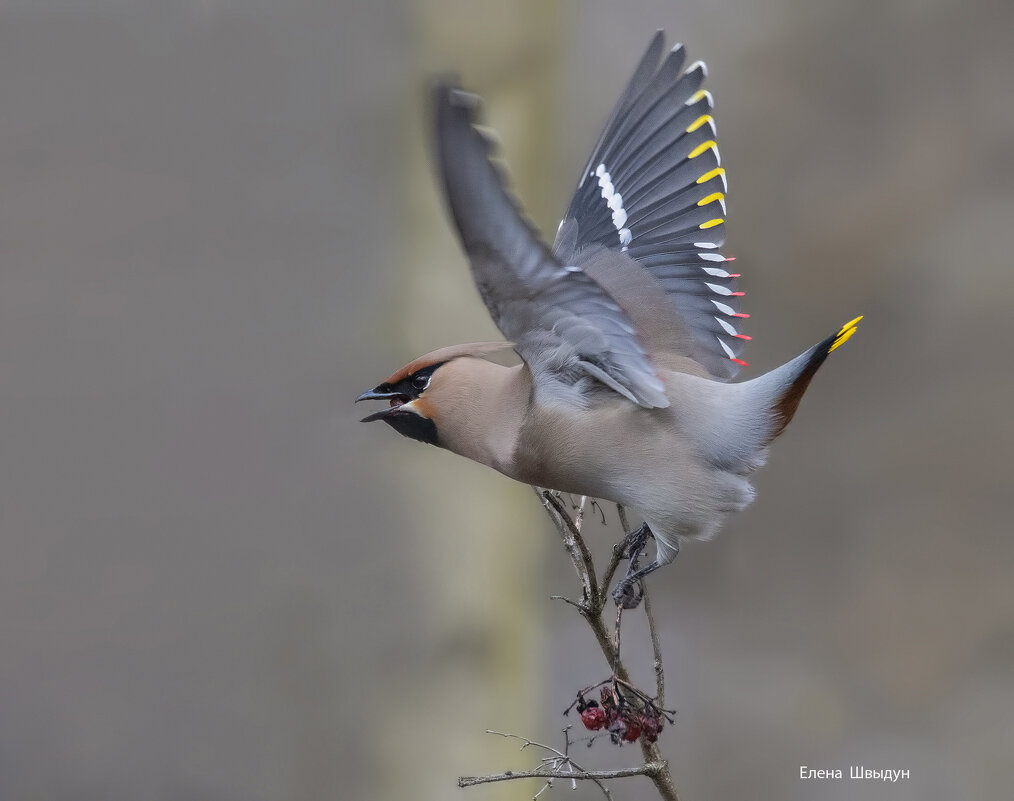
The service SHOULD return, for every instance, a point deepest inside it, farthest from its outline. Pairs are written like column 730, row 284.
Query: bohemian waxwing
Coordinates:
column 628, row 328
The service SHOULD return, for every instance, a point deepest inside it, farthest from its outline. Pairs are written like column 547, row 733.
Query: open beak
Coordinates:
column 396, row 398
column 374, row 395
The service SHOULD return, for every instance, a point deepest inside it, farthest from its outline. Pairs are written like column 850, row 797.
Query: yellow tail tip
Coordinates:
column 846, row 331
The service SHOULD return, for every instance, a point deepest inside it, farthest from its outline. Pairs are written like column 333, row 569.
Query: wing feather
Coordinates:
column 654, row 191
column 569, row 330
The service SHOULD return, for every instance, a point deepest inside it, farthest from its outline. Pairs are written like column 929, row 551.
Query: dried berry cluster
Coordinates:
column 624, row 718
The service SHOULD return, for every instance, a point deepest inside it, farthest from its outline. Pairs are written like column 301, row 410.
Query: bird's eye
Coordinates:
column 420, row 382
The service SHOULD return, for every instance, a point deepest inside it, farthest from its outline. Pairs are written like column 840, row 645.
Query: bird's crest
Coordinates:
column 479, row 350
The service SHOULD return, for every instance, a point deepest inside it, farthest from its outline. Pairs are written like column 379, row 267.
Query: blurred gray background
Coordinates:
column 218, row 225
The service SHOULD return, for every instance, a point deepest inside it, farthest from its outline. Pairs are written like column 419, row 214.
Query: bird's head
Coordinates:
column 414, row 391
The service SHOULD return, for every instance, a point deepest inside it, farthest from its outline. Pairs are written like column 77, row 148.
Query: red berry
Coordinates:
column 650, row 727
column 633, row 730
column 593, row 718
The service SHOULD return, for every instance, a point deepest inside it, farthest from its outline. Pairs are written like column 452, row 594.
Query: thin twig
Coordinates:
column 621, row 512
column 565, row 527
column 616, row 629
column 607, row 577
column 573, row 542
column 560, row 765
column 617, row 556
column 567, row 600
column 656, row 650
column 560, row 759
column 531, row 743
column 574, row 526
column 650, row 769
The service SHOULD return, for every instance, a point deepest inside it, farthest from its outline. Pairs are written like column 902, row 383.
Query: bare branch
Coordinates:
column 559, row 765
column 607, row 577
column 567, row 600
column 621, row 510
column 616, row 629
column 579, row 515
column 617, row 556
column 530, row 743
column 649, row 769
column 573, row 542
column 656, row 650
column 574, row 526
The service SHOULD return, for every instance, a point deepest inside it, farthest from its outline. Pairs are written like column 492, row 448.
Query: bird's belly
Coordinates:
column 660, row 475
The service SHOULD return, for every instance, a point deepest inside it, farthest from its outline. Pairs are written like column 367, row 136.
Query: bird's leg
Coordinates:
column 631, row 548
column 633, row 544
column 628, row 591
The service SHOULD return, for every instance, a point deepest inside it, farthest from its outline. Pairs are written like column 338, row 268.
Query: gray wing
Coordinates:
column 565, row 326
column 654, row 190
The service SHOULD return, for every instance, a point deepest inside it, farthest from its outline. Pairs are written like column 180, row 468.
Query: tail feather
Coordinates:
column 804, row 367
column 734, row 423
column 845, row 333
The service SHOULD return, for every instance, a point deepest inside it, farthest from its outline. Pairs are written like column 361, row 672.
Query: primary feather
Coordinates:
column 654, row 190
column 566, row 327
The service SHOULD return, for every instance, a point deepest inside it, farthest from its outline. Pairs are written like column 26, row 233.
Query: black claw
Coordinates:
column 629, row 591
column 633, row 544
column 628, row 594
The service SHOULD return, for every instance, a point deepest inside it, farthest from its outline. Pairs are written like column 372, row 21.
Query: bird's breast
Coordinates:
column 603, row 452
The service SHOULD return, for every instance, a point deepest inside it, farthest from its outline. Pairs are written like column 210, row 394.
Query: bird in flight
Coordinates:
column 628, row 327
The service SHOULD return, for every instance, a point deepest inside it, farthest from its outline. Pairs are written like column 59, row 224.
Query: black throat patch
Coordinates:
column 412, row 425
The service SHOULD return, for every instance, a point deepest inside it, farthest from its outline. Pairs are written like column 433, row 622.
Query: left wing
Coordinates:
column 566, row 327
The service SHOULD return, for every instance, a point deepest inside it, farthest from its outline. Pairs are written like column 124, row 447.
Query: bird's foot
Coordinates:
column 633, row 544
column 628, row 593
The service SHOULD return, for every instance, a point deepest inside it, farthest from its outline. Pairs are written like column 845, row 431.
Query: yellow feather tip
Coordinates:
column 701, row 148
column 709, row 175
column 702, row 120
column 845, row 333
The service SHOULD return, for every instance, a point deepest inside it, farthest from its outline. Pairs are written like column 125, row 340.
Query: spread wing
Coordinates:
column 567, row 328
column 654, row 190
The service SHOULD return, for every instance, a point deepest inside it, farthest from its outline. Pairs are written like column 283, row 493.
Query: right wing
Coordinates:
column 654, row 191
